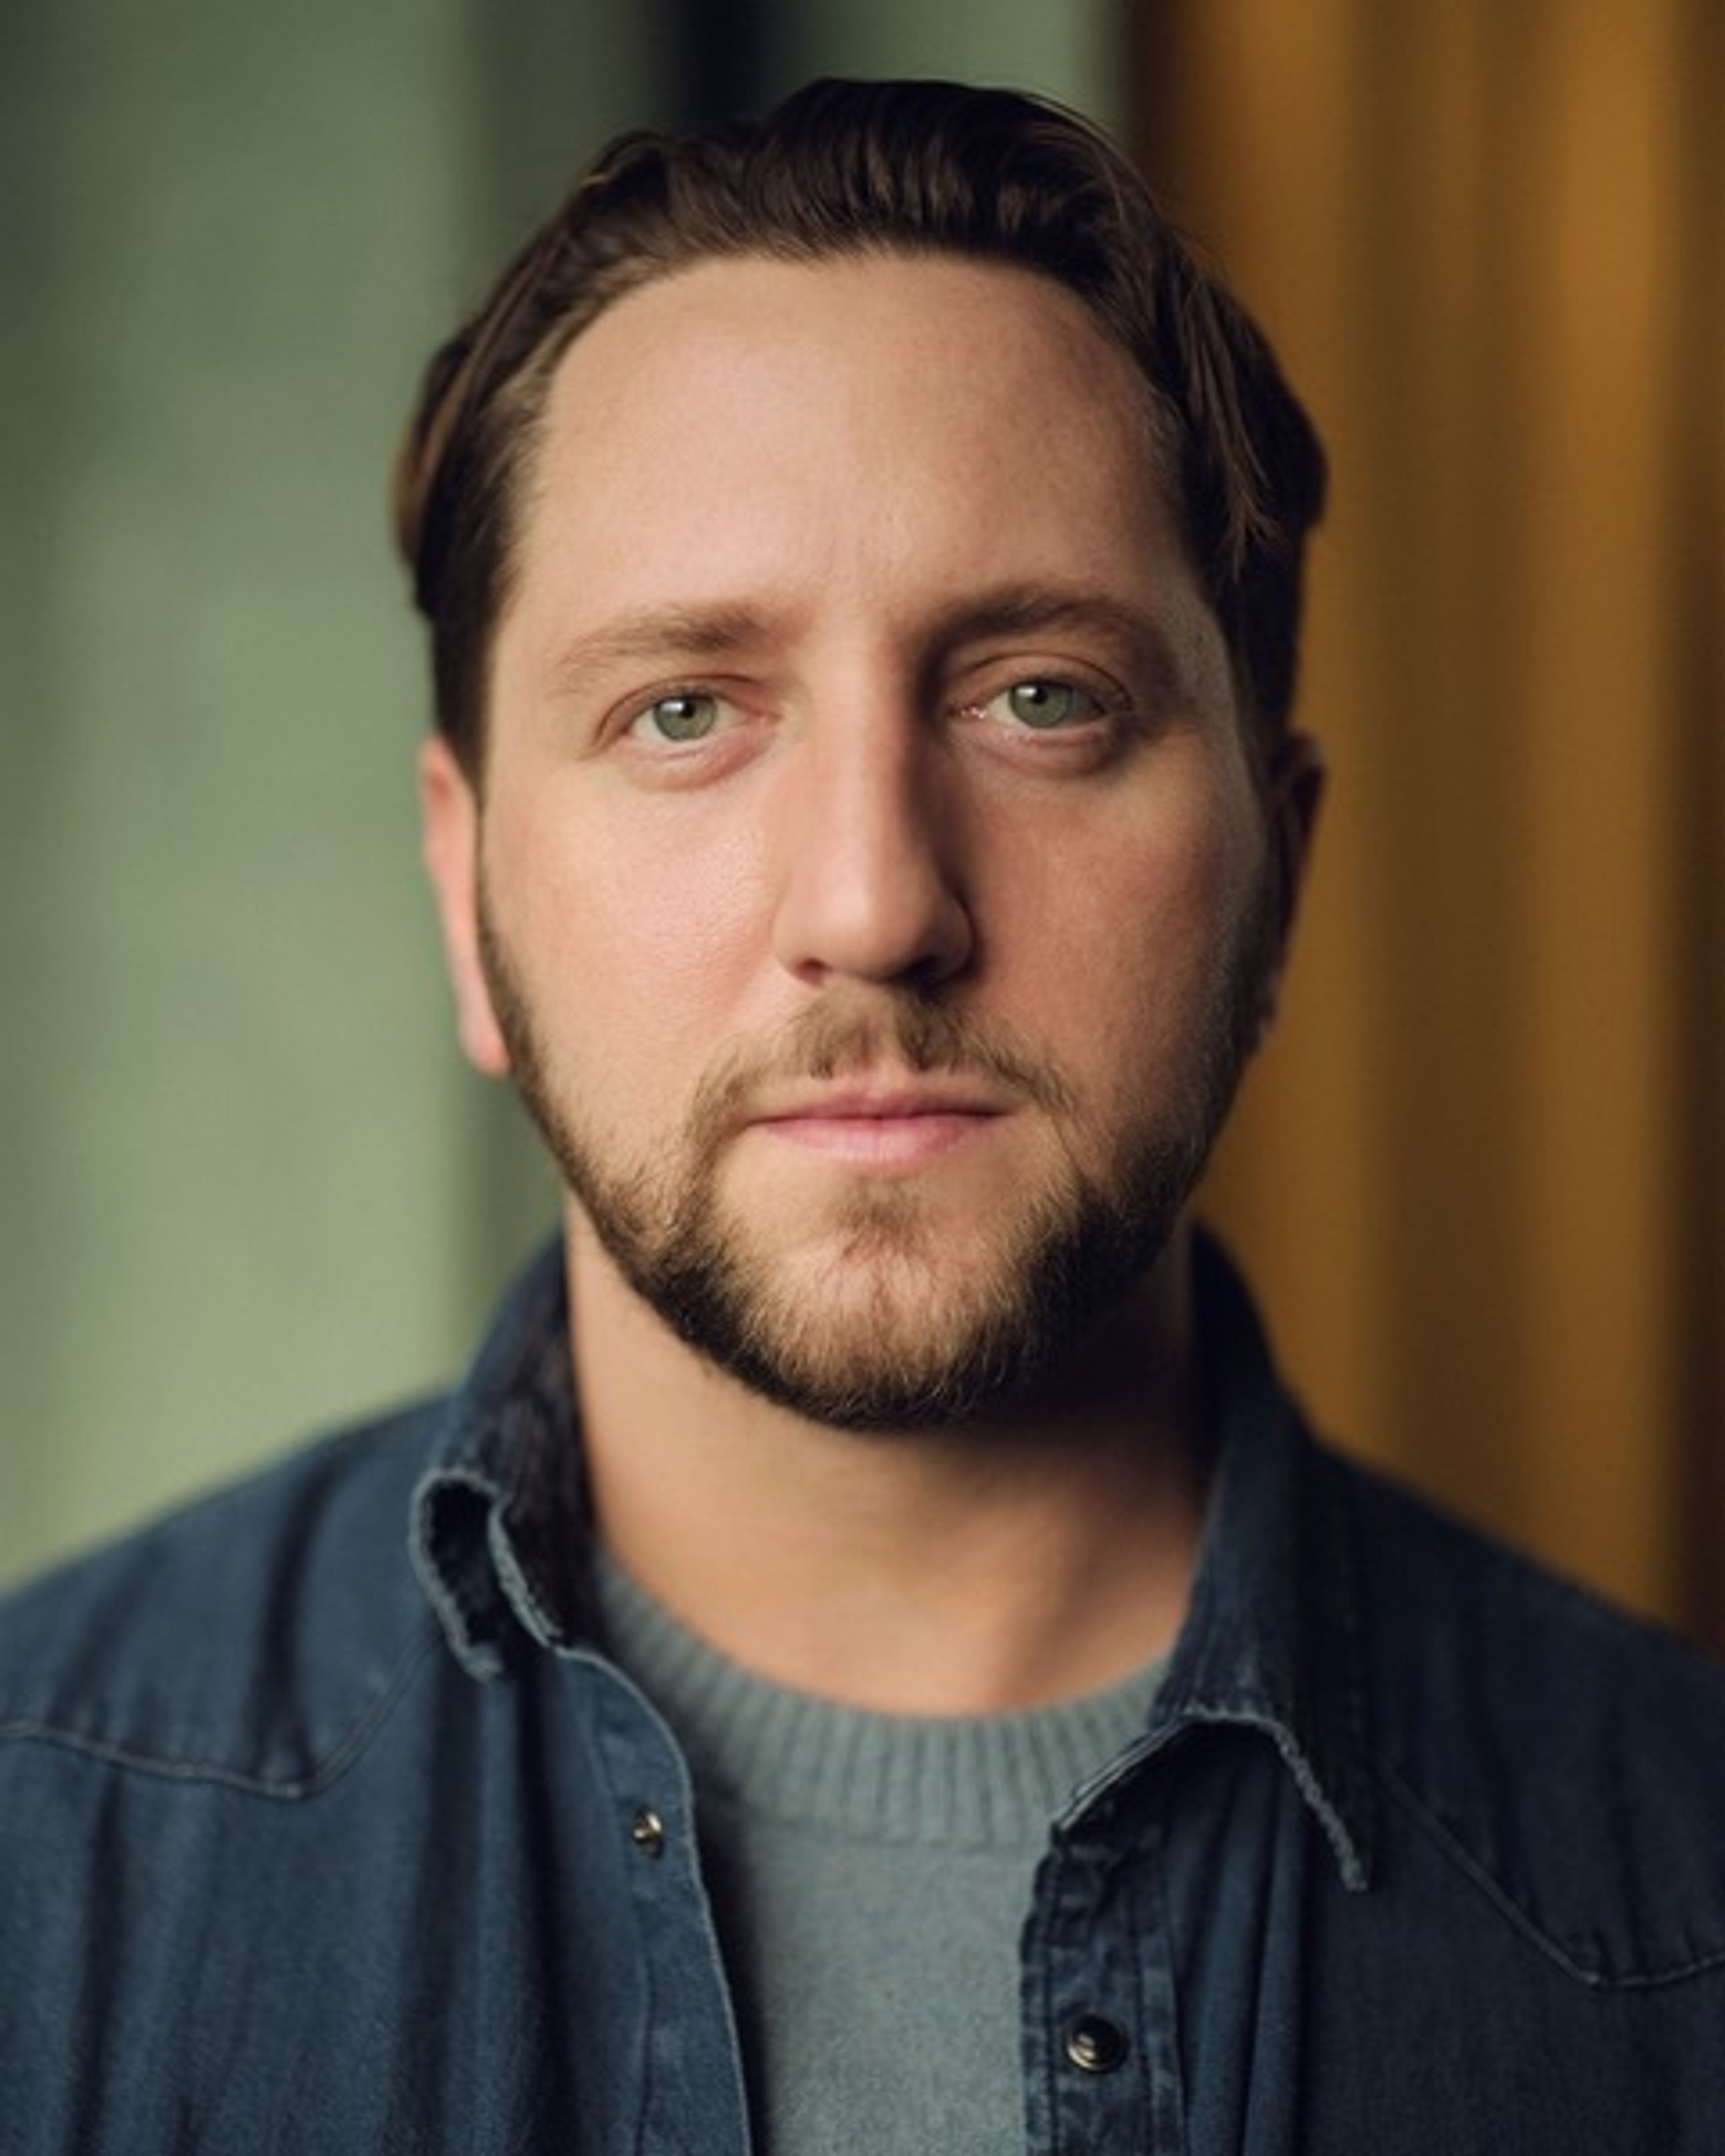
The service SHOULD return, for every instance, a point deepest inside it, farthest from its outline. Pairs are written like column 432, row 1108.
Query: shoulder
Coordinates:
column 1570, row 1757
column 250, row 1637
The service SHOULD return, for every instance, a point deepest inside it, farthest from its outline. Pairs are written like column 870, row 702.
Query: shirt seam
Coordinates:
column 1592, row 1974
column 213, row 1772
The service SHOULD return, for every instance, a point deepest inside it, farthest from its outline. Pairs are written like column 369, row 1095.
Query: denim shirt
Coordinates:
column 325, row 1825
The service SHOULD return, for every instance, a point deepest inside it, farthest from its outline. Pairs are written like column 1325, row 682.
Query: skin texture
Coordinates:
column 870, row 891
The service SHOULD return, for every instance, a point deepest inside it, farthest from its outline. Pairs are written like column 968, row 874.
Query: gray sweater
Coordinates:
column 868, row 1876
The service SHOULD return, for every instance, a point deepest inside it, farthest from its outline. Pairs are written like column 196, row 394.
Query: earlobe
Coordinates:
column 449, row 842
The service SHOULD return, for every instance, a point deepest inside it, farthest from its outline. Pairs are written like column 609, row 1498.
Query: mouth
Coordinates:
column 883, row 1128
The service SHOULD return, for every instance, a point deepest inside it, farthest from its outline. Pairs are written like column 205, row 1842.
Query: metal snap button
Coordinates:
column 1096, row 2044
column 647, row 1831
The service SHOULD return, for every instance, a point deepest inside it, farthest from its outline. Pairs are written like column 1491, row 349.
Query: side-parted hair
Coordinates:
column 845, row 169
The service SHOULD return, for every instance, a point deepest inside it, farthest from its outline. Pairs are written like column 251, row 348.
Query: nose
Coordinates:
column 870, row 886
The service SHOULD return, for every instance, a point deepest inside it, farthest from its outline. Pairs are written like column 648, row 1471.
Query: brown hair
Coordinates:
column 841, row 169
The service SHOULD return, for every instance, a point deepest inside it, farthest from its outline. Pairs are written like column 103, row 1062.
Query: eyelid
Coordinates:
column 640, row 711
column 1107, row 699
column 629, row 714
column 730, row 740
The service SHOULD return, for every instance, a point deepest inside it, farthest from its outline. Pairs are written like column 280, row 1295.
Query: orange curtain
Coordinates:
column 1480, row 1178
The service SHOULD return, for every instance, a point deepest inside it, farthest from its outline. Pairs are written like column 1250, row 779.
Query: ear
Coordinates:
column 1295, row 793
column 449, row 843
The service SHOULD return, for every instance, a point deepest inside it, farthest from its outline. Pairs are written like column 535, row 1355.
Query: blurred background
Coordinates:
column 246, row 1185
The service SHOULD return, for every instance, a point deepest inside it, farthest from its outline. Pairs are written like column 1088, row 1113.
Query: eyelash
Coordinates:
column 1100, row 710
column 639, row 725
column 1097, row 706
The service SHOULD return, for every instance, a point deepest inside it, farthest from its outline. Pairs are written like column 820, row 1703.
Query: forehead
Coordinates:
column 861, row 424
column 765, row 339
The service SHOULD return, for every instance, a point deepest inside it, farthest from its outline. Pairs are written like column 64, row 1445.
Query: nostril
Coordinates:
column 875, row 911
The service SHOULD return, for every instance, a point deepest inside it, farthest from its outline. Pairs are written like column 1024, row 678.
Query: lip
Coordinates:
column 882, row 1127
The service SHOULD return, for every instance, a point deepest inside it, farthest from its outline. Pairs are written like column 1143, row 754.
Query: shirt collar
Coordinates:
column 500, row 1516
column 1271, row 1642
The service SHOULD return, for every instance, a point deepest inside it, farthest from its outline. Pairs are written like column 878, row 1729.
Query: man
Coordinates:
column 869, row 1658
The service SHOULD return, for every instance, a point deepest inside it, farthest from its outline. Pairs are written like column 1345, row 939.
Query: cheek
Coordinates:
column 1150, row 916
column 635, row 933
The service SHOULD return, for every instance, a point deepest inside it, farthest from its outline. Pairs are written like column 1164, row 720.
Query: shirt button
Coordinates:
column 1096, row 2044
column 647, row 1831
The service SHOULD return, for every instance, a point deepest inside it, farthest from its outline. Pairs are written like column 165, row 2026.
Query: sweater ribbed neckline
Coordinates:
column 976, row 1782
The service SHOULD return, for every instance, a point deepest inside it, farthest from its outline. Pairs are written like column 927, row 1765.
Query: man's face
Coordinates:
column 869, row 891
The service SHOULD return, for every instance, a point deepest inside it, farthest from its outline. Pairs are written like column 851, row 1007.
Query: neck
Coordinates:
column 999, row 1566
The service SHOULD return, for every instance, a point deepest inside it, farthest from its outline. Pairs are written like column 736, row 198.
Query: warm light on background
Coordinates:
column 1483, row 1176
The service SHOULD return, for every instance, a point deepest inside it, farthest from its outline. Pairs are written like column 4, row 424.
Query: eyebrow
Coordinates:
column 700, row 634
column 693, row 633
column 1032, row 610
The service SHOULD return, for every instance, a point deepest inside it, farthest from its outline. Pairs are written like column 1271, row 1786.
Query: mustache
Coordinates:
column 850, row 1037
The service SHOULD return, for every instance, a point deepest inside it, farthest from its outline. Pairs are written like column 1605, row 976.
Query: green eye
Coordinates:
column 1046, row 704
column 685, row 717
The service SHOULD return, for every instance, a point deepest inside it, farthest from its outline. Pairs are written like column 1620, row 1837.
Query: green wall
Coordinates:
column 245, row 1186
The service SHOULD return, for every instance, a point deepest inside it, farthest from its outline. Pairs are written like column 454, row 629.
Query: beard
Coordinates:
column 906, row 1321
